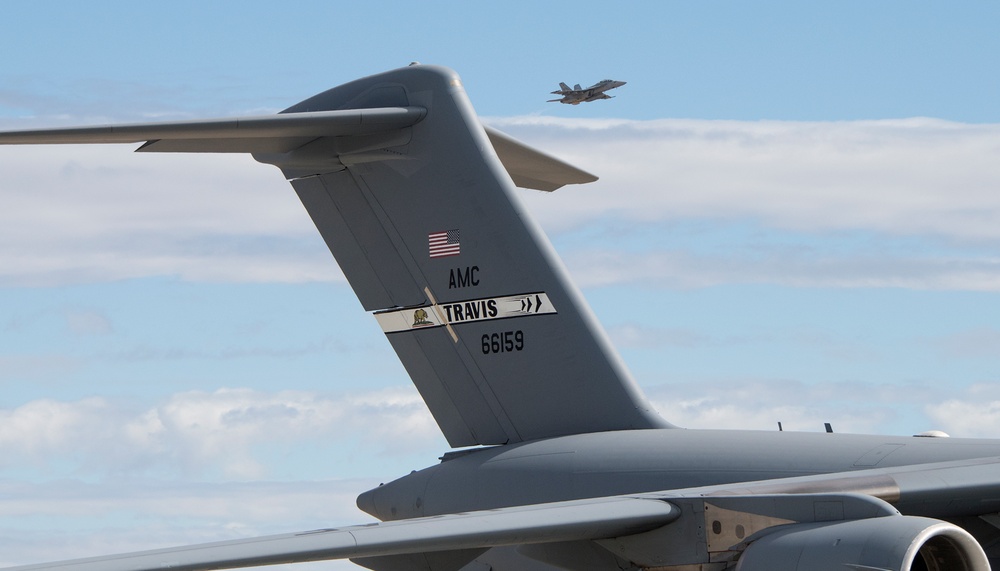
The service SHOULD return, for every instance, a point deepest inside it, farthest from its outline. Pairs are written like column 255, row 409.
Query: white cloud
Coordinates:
column 759, row 404
column 115, row 476
column 972, row 411
column 68, row 518
column 680, row 269
column 902, row 177
column 81, row 214
column 197, row 434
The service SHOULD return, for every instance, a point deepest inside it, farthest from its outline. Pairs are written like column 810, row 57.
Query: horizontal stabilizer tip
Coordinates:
column 530, row 168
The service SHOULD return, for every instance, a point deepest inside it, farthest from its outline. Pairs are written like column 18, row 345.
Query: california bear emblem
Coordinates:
column 420, row 318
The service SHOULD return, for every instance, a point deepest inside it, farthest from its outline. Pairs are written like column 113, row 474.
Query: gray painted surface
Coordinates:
column 593, row 465
column 489, row 379
column 575, row 520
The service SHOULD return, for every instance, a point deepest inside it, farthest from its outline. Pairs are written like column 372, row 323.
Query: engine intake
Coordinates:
column 891, row 543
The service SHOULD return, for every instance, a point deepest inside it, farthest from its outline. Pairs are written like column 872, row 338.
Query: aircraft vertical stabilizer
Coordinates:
column 425, row 225
column 408, row 191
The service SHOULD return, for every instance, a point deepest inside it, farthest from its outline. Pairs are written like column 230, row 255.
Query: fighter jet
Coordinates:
column 578, row 95
column 558, row 461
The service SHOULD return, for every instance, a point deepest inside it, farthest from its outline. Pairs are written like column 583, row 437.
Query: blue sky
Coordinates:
column 797, row 220
column 717, row 60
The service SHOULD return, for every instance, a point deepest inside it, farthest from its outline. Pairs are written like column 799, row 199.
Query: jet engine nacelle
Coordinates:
column 897, row 543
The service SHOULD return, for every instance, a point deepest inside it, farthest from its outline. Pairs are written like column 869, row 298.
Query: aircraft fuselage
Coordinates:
column 634, row 461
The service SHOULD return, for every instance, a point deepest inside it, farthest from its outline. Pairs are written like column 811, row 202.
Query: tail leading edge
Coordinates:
column 408, row 191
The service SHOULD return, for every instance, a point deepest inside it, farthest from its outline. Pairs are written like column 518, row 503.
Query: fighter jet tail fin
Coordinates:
column 564, row 87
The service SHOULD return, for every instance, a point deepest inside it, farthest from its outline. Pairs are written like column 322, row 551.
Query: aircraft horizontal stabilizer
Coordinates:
column 270, row 133
column 531, row 168
column 603, row 518
column 287, row 132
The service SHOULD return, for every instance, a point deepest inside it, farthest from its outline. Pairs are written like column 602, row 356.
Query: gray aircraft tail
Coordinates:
column 416, row 201
column 467, row 289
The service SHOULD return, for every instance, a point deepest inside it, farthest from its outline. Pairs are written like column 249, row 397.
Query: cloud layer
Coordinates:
column 226, row 433
column 899, row 177
column 902, row 203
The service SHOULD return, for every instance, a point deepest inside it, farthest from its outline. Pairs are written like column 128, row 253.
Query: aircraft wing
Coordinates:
column 582, row 519
column 637, row 527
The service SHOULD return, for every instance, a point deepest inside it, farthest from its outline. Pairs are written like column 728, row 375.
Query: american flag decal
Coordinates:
column 441, row 244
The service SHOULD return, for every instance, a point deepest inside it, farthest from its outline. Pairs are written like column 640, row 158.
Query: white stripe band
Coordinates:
column 411, row 318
